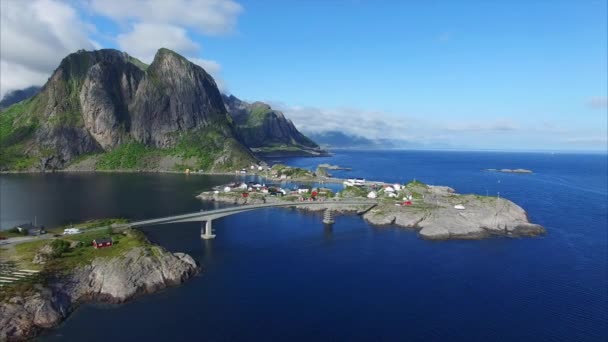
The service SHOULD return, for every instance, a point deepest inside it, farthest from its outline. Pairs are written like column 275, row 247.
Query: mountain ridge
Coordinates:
column 98, row 101
column 267, row 131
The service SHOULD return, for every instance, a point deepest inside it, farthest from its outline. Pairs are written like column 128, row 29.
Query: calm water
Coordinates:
column 279, row 275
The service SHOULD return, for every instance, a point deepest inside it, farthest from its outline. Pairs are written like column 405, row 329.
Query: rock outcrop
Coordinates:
column 140, row 271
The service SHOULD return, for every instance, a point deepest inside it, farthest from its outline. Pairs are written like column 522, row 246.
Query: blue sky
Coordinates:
column 506, row 75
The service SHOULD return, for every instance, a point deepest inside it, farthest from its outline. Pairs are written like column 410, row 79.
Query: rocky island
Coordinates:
column 510, row 170
column 54, row 276
column 435, row 212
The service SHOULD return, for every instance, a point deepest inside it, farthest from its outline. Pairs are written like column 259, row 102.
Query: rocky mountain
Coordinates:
column 107, row 110
column 15, row 96
column 266, row 131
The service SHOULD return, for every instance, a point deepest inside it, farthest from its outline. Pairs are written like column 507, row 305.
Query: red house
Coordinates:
column 102, row 243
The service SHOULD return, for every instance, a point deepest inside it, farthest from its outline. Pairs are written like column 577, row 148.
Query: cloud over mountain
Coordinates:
column 34, row 37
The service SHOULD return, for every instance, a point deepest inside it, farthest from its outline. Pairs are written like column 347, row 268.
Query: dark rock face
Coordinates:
column 98, row 100
column 175, row 95
column 259, row 125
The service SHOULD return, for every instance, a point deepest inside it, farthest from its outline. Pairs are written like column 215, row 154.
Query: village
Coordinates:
column 241, row 192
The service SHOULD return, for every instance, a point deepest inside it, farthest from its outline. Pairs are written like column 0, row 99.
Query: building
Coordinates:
column 372, row 194
column 102, row 243
column 30, row 229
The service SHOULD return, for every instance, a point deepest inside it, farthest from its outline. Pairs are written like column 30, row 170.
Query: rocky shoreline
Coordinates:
column 433, row 214
column 116, row 280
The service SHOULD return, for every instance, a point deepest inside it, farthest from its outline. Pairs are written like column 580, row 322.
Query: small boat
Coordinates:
column 349, row 182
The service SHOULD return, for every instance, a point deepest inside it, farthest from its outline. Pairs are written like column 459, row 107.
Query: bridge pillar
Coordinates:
column 207, row 230
column 328, row 217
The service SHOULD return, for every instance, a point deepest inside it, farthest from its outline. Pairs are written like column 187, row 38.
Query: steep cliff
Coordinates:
column 141, row 270
column 97, row 102
column 267, row 131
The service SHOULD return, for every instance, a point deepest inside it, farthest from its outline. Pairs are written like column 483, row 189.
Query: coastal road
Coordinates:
column 200, row 216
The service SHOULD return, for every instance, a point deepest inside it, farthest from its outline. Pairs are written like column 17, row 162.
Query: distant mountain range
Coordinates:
column 107, row 110
column 15, row 96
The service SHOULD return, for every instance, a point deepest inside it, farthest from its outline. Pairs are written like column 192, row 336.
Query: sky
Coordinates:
column 498, row 75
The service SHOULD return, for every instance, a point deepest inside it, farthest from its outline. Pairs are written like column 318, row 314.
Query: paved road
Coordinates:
column 196, row 216
column 217, row 213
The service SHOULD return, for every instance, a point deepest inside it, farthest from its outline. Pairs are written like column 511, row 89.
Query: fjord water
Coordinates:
column 281, row 275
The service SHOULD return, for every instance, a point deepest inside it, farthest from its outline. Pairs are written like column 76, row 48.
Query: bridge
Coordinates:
column 208, row 216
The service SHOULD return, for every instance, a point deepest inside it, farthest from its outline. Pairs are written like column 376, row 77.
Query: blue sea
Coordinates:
column 280, row 275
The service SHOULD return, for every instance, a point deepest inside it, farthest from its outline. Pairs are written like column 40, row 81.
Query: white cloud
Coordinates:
column 34, row 37
column 368, row 124
column 598, row 102
column 497, row 126
column 206, row 16
column 145, row 39
column 593, row 140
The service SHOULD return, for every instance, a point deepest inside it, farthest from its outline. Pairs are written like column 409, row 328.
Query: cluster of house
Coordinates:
column 391, row 191
column 252, row 168
column 275, row 190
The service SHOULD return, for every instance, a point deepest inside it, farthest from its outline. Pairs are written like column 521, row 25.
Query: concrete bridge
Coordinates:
column 209, row 215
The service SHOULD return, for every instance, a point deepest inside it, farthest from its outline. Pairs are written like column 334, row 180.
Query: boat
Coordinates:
column 349, row 182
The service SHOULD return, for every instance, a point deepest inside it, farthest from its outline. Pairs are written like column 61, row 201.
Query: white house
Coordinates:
column 389, row 189
column 397, row 186
column 260, row 168
column 372, row 195
column 392, row 195
column 303, row 191
column 71, row 231
column 243, row 186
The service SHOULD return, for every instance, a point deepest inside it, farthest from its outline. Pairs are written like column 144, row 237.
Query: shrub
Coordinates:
column 59, row 247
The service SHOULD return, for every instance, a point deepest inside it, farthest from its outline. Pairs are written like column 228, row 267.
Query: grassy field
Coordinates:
column 81, row 254
column 65, row 258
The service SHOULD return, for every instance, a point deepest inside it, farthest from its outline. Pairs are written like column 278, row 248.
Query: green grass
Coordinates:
column 128, row 156
column 204, row 147
column 66, row 259
column 416, row 183
column 90, row 224
column 141, row 65
column 353, row 191
column 18, row 122
column 258, row 115
column 83, row 255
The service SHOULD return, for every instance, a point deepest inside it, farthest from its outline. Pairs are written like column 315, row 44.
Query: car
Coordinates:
column 3, row 238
